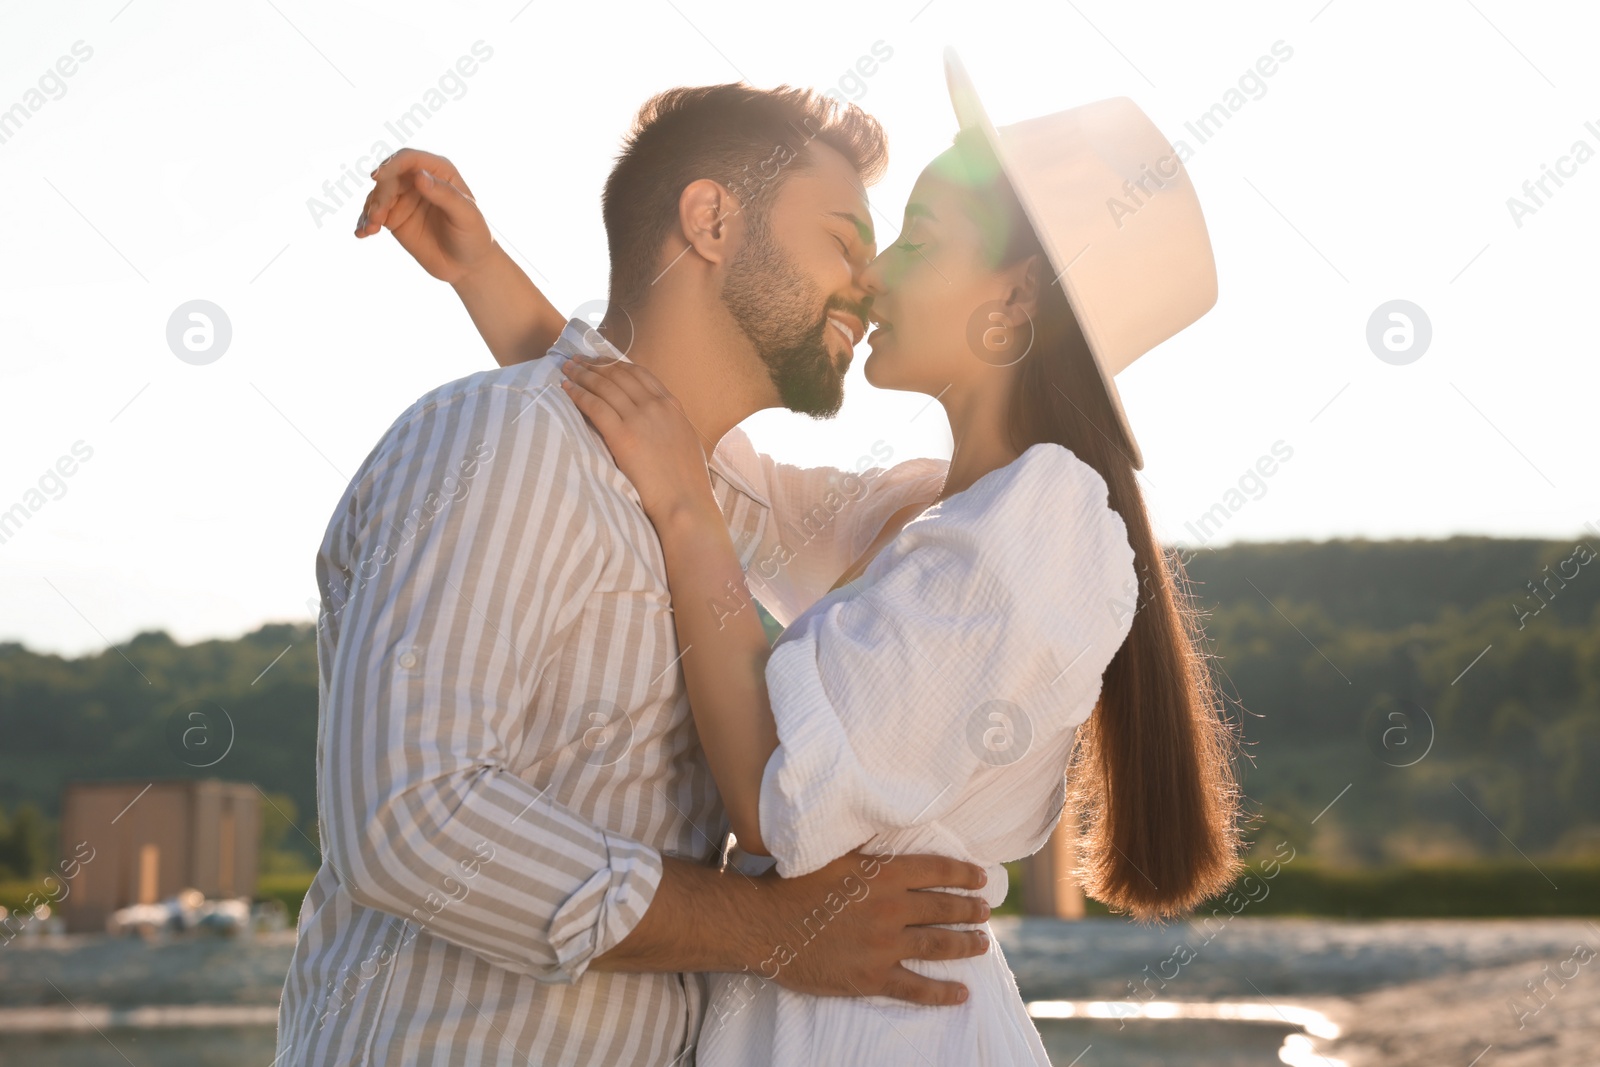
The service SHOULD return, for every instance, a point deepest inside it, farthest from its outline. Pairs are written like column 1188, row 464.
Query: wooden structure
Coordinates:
column 153, row 839
column 1048, row 887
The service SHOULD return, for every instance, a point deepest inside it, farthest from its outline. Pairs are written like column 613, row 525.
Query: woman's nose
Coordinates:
column 874, row 278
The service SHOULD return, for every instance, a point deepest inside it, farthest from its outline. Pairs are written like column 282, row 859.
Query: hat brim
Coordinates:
column 970, row 114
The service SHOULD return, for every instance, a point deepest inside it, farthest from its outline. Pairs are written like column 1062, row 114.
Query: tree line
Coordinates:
column 1398, row 701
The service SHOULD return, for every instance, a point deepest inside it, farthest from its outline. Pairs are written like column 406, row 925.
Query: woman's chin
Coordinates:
column 871, row 369
column 879, row 378
column 880, row 362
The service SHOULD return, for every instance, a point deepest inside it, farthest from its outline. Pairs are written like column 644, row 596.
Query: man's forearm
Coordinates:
column 699, row 920
column 843, row 930
column 512, row 315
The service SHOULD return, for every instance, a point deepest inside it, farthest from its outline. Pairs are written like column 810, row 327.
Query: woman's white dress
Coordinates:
column 929, row 707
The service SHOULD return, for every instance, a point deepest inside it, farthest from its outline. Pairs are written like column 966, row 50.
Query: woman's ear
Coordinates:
column 708, row 217
column 1027, row 281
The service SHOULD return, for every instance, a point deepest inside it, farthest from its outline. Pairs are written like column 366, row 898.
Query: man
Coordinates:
column 517, row 818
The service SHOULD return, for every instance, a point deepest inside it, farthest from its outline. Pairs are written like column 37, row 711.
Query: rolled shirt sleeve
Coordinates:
column 468, row 546
column 997, row 610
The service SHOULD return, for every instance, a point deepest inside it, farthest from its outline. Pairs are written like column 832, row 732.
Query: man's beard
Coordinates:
column 772, row 302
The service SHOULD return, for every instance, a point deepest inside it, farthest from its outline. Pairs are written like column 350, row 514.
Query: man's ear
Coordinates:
column 709, row 220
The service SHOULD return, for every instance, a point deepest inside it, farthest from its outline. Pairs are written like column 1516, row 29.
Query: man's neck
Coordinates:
column 706, row 369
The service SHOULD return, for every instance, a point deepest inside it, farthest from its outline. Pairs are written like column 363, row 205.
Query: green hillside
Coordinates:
column 1405, row 683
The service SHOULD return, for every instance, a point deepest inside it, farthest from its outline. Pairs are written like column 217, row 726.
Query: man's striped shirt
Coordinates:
column 505, row 748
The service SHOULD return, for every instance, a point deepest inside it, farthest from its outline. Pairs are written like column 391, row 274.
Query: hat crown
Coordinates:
column 1115, row 209
column 1117, row 216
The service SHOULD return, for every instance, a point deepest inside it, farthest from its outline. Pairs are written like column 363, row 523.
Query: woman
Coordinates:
column 994, row 635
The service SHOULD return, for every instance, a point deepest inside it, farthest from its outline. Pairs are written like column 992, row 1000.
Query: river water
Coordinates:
column 1249, row 992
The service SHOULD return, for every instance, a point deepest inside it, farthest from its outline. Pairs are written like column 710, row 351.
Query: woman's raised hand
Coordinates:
column 649, row 435
column 424, row 202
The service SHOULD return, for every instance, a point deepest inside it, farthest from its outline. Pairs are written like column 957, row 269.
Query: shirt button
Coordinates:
column 408, row 660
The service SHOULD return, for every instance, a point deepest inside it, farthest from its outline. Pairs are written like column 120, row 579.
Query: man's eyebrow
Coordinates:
column 915, row 210
column 863, row 229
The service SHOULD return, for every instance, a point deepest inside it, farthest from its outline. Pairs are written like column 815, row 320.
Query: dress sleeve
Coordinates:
column 980, row 631
column 821, row 518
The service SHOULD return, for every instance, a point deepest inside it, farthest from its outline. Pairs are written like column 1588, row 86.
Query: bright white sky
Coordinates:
column 178, row 165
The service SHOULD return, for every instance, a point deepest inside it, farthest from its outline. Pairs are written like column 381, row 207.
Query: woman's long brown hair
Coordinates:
column 1152, row 775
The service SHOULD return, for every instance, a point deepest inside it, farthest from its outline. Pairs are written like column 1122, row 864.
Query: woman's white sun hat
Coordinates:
column 1118, row 217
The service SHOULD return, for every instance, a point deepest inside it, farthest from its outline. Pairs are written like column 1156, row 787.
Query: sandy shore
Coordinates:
column 1469, row 1018
column 1405, row 993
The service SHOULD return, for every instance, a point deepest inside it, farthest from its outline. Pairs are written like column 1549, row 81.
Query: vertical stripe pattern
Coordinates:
column 505, row 749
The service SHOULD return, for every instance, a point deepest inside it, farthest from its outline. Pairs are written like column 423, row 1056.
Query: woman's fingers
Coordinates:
column 600, row 382
column 400, row 169
column 648, row 383
column 398, row 176
column 629, row 377
column 389, row 184
column 450, row 196
column 602, row 414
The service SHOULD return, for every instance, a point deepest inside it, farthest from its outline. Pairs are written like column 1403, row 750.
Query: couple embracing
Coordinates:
column 548, row 715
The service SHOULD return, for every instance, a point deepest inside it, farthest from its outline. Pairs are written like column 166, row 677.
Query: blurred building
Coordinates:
column 1048, row 887
column 152, row 839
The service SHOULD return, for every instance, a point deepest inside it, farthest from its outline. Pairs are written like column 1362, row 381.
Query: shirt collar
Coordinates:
column 581, row 338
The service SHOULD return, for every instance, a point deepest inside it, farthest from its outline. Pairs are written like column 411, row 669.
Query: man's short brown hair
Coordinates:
column 749, row 140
